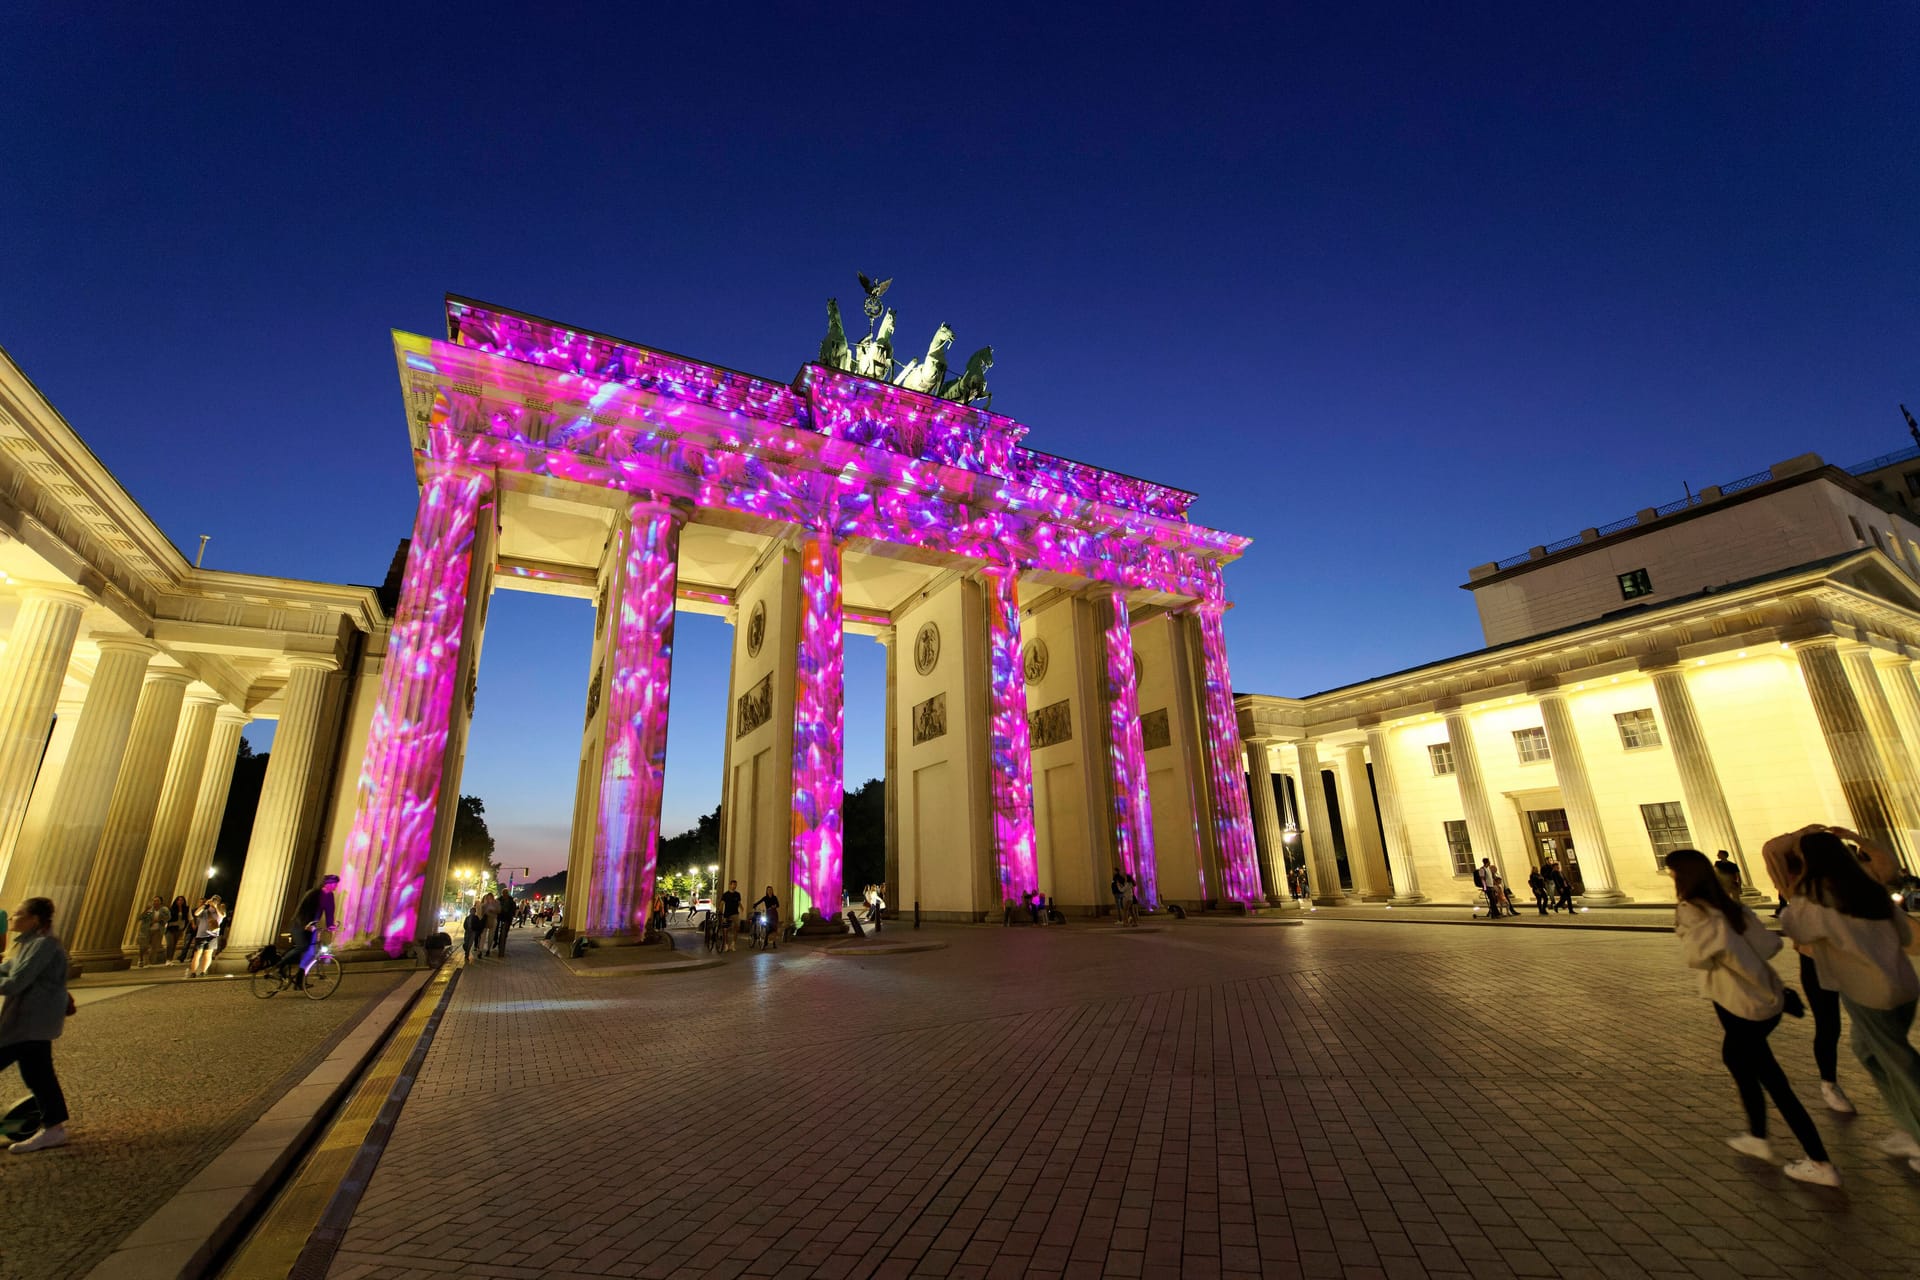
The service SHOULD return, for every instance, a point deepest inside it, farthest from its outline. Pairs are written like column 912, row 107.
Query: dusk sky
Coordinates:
column 1396, row 289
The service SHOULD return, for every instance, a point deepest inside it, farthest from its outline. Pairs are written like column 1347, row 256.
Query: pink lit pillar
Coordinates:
column 626, row 834
column 1232, row 815
column 1126, row 758
column 819, row 785
column 385, row 861
column 1009, row 753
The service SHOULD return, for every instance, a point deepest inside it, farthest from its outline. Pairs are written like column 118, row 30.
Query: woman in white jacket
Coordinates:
column 1730, row 947
column 1846, row 920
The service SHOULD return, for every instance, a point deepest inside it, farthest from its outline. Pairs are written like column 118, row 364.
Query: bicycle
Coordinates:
column 274, row 973
column 713, row 933
column 760, row 935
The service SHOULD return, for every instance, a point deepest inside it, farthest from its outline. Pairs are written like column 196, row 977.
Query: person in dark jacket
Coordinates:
column 509, row 910
column 33, row 982
column 313, row 917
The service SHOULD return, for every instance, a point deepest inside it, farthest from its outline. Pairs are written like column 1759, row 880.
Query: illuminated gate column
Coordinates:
column 1863, row 777
column 1220, row 744
column 210, row 805
column 1878, row 711
column 1406, row 884
column 1481, row 833
column 384, row 865
column 1126, row 757
column 1322, row 861
column 819, row 696
column 1365, row 856
column 1599, row 885
column 633, row 756
column 1009, row 749
column 266, row 891
column 1710, row 821
column 32, row 670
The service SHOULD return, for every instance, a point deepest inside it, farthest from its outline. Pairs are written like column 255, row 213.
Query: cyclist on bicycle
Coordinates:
column 312, row 917
column 769, row 908
column 730, row 912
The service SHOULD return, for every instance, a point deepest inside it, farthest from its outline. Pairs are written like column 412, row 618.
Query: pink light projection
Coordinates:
column 818, row 732
column 1126, row 758
column 1233, row 816
column 626, row 839
column 385, row 861
column 1009, row 750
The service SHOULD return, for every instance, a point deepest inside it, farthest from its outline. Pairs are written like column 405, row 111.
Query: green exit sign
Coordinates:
column 1635, row 584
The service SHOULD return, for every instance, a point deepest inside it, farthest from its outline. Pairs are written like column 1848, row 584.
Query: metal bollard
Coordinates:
column 916, row 913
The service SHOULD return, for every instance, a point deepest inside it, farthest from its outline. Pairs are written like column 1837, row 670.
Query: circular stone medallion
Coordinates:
column 756, row 628
column 1034, row 662
column 926, row 649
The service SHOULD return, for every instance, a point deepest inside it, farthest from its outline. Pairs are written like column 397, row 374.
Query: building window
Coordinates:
column 1913, row 483
column 1635, row 584
column 1532, row 745
column 1667, row 828
column 1638, row 729
column 1461, row 847
column 1440, row 754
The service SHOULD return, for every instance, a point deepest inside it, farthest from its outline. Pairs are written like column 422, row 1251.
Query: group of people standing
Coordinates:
column 1854, row 942
column 179, row 932
column 487, row 924
column 1126, row 899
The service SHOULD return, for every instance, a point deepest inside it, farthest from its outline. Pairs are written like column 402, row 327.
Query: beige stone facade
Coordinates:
column 1766, row 680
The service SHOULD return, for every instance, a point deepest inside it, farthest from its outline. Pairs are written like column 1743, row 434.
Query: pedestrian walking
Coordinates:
column 507, row 910
column 150, row 933
column 730, row 913
column 470, row 934
column 33, row 1012
column 769, row 906
column 1729, row 873
column 1119, row 887
column 1729, row 946
column 1562, row 890
column 1488, row 878
column 1538, row 883
column 1847, row 921
column 488, row 909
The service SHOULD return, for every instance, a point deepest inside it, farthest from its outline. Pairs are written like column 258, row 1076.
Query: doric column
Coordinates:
column 1406, row 884
column 819, row 702
column 31, row 671
column 1863, row 779
column 633, row 759
column 1220, row 744
column 173, row 815
column 1709, row 820
column 1473, row 791
column 1009, row 749
column 1903, row 695
column 1126, row 757
column 61, row 865
column 1364, row 854
column 210, row 802
column 1881, row 726
column 100, row 921
column 1268, row 839
column 1602, row 886
column 260, row 903
column 891, row 763
column 387, row 853
column 46, row 785
column 1322, row 862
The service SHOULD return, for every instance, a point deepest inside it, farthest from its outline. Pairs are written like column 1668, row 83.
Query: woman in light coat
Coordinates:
column 1846, row 920
column 1730, row 947
column 33, row 981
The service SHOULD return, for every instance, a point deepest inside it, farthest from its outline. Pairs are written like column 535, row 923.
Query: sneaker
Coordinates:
column 1818, row 1172
column 1837, row 1100
column 51, row 1136
column 1899, row 1143
column 1748, row 1145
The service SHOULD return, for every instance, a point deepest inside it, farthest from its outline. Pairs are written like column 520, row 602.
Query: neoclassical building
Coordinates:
column 1703, row 674
column 126, row 678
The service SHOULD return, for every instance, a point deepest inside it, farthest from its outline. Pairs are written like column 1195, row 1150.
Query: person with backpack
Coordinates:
column 1727, row 943
column 34, row 1008
column 508, row 909
column 1842, row 915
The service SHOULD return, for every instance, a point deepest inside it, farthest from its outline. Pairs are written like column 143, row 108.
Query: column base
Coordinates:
column 1332, row 900
column 1376, row 897
column 1407, row 899
column 1604, row 898
column 101, row 961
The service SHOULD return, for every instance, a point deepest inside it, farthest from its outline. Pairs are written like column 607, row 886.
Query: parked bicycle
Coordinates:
column 713, row 933
column 274, row 972
column 761, row 935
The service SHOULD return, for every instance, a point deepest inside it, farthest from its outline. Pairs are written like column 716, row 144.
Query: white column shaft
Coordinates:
column 31, row 672
column 1267, row 837
column 1856, row 760
column 1364, row 852
column 209, row 804
column 1473, row 793
column 1576, row 795
column 1878, row 712
column 260, row 903
column 1321, row 859
column 100, row 922
column 61, row 865
column 174, row 813
column 1406, row 885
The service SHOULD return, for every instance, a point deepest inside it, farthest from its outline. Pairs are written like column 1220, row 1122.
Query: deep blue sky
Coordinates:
column 1397, row 289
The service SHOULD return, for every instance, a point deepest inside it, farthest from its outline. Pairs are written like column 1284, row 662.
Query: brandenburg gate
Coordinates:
column 1058, row 701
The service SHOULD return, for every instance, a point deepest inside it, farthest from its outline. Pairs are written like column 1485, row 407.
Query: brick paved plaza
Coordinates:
column 1336, row 1099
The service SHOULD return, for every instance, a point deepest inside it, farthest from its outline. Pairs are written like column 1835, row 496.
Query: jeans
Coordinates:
column 1826, row 1021
column 36, row 1068
column 1880, row 1042
column 1750, row 1061
column 1493, row 901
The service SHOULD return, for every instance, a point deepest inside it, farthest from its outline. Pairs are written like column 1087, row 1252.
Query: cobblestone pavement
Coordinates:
column 160, row 1079
column 1338, row 1099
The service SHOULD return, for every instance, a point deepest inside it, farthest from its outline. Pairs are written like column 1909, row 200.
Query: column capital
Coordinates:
column 55, row 592
column 169, row 675
column 1894, row 657
column 1802, row 635
column 126, row 644
column 232, row 715
column 1665, row 660
column 1544, row 686
column 203, row 694
column 311, row 662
